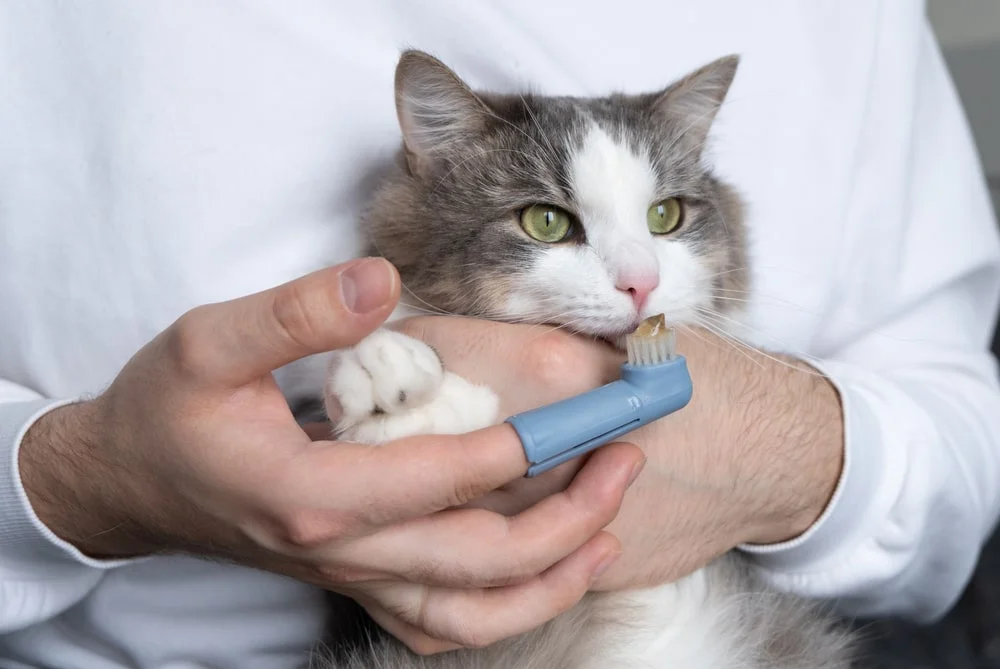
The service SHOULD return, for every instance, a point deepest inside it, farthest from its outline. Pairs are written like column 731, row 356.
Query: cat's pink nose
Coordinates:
column 638, row 286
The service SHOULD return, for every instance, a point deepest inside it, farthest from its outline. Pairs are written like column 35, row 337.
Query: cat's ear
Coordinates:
column 693, row 102
column 436, row 110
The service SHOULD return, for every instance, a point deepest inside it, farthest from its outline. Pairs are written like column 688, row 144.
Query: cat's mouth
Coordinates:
column 613, row 335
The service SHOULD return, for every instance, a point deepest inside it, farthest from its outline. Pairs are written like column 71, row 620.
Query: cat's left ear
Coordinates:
column 437, row 112
column 692, row 103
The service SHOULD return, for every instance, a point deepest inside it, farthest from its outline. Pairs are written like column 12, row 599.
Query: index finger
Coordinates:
column 408, row 478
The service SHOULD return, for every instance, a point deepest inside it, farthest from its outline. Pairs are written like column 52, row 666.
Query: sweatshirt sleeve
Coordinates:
column 908, row 350
column 40, row 575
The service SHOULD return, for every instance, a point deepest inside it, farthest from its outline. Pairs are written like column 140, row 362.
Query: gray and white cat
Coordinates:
column 590, row 214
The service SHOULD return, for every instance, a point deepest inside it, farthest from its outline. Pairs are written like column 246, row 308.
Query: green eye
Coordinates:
column 664, row 217
column 546, row 223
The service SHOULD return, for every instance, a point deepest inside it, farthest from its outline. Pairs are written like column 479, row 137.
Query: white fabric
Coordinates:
column 159, row 155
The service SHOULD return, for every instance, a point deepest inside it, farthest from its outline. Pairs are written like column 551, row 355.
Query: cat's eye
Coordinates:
column 665, row 217
column 546, row 223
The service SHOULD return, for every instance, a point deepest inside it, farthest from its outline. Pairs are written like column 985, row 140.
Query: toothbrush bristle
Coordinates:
column 652, row 342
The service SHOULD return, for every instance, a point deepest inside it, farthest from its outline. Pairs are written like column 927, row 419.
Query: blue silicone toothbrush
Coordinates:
column 654, row 383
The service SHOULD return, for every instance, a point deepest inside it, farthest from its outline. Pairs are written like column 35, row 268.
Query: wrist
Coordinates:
column 791, row 432
column 70, row 486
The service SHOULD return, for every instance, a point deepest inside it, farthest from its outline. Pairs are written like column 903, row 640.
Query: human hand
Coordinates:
column 526, row 366
column 193, row 449
column 754, row 458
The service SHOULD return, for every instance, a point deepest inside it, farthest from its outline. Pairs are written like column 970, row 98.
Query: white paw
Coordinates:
column 391, row 386
column 386, row 373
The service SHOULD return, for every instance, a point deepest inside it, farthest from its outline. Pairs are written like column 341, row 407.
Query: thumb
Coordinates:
column 244, row 339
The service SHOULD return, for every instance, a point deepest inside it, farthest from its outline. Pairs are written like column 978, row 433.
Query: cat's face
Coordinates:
column 588, row 213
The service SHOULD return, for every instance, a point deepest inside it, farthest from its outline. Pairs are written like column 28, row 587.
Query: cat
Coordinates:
column 587, row 213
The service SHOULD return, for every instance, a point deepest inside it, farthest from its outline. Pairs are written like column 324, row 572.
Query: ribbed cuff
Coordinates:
column 24, row 539
column 840, row 524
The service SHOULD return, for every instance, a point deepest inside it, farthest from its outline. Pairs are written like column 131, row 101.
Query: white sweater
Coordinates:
column 159, row 155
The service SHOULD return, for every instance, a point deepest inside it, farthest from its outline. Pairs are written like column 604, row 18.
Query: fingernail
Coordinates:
column 366, row 285
column 603, row 566
column 635, row 472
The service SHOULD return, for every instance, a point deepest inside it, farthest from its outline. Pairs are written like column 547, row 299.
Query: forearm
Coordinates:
column 778, row 426
column 41, row 575
column 791, row 431
column 917, row 498
column 71, row 489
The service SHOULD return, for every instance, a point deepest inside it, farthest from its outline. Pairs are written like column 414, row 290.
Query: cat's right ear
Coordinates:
column 437, row 112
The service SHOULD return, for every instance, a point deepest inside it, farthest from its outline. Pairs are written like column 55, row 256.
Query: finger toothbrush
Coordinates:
column 654, row 383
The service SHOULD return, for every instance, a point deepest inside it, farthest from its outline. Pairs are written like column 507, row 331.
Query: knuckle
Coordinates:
column 563, row 600
column 464, row 491
column 601, row 502
column 610, row 498
column 430, row 568
column 338, row 574
column 296, row 322
column 590, row 515
column 513, row 571
column 310, row 530
column 420, row 645
column 519, row 572
column 470, row 636
column 556, row 361
column 467, row 482
column 187, row 342
column 424, row 645
column 502, row 580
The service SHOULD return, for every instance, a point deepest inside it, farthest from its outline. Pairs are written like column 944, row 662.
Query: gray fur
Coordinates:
column 448, row 220
column 448, row 217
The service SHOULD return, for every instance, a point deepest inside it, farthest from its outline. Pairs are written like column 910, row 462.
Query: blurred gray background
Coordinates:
column 969, row 32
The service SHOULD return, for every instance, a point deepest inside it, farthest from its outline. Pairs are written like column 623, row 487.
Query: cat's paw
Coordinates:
column 390, row 386
column 385, row 373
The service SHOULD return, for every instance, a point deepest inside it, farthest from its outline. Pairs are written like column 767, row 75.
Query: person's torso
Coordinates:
column 157, row 156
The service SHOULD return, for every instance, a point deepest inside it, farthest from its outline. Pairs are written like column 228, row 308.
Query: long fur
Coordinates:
column 448, row 219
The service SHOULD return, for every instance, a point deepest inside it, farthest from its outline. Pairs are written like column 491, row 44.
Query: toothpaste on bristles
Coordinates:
column 652, row 343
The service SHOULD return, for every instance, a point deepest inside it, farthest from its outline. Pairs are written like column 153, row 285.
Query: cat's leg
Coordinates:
column 391, row 386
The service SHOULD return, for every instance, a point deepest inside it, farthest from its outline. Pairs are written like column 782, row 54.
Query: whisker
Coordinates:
column 716, row 323
column 428, row 308
column 441, row 180
column 722, row 215
column 534, row 120
column 728, row 271
column 736, row 344
column 531, row 139
column 697, row 335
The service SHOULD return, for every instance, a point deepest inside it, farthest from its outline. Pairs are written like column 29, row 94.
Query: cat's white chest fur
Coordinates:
column 678, row 627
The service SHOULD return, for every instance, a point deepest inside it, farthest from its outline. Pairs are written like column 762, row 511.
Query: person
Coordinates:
column 173, row 180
